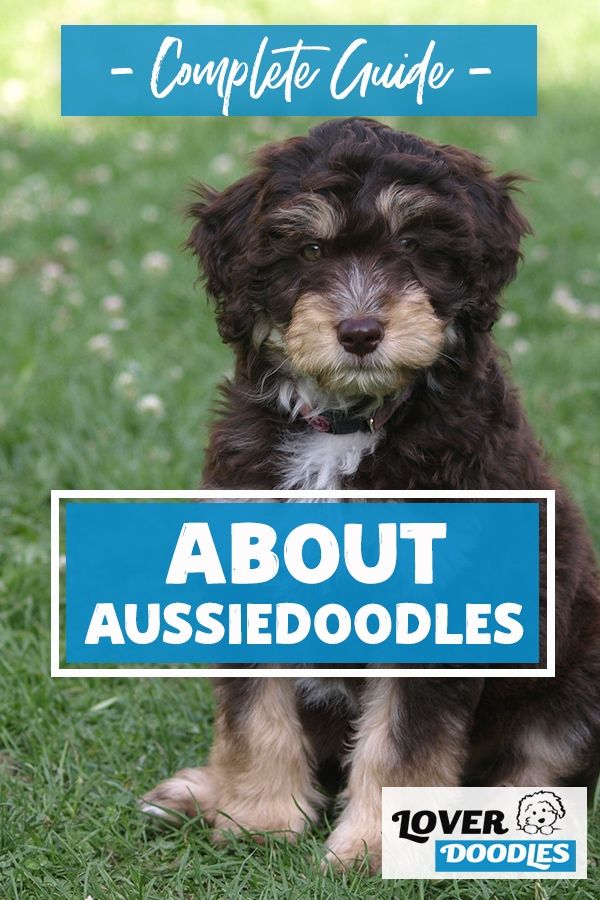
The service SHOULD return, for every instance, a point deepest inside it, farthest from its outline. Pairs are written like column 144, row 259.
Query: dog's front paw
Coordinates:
column 188, row 793
column 284, row 815
column 231, row 804
column 354, row 842
column 530, row 829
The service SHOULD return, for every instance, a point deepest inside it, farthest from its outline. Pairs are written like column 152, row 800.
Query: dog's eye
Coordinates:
column 409, row 245
column 311, row 252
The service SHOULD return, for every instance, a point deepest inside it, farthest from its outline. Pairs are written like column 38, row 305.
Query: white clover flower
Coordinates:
column 75, row 298
column 113, row 304
column 116, row 268
column 66, row 244
column 239, row 144
column 8, row 267
column 563, row 298
column 156, row 263
column 132, row 365
column 36, row 183
column 578, row 168
column 592, row 310
column 101, row 345
column 175, row 373
column 159, row 455
column 51, row 273
column 52, row 270
column 509, row 319
column 539, row 253
column 82, row 133
column 141, row 141
column 47, row 287
column 169, row 145
column 119, row 324
column 520, row 346
column 594, row 187
column 125, row 383
column 260, row 125
column 223, row 164
column 61, row 320
column 506, row 132
column 100, row 174
column 588, row 276
column 125, row 379
column 150, row 213
column 79, row 206
column 151, row 404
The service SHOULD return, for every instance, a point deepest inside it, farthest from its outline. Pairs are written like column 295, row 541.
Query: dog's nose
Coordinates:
column 360, row 336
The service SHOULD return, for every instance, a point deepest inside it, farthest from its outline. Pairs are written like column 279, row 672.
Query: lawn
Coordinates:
column 108, row 366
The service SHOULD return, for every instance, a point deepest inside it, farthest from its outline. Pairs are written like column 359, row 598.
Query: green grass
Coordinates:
column 95, row 197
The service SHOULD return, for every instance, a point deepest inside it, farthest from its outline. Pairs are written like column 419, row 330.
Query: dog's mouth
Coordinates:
column 356, row 378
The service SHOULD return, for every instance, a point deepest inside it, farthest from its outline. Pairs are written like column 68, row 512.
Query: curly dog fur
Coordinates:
column 357, row 272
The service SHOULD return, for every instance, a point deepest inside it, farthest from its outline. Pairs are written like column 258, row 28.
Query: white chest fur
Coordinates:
column 315, row 460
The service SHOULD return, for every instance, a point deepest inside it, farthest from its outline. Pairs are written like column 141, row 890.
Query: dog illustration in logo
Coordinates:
column 538, row 812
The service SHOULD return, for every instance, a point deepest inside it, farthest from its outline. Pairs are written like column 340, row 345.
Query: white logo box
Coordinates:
column 484, row 833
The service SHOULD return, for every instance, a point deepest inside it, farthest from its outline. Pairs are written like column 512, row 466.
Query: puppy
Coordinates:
column 356, row 272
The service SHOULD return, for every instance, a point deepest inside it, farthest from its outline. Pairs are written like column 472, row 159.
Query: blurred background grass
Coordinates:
column 108, row 365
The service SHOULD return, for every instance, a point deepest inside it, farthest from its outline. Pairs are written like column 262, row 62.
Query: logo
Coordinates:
column 539, row 812
column 484, row 832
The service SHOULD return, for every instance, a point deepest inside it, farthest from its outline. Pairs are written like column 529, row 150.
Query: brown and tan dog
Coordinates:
column 356, row 272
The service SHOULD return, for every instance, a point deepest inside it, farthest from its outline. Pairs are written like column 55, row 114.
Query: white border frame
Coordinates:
column 269, row 672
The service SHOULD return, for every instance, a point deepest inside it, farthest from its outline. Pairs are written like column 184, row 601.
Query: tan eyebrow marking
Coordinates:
column 311, row 214
column 398, row 204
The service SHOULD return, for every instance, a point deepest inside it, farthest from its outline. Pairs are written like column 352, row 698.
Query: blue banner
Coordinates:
column 334, row 582
column 487, row 857
column 314, row 70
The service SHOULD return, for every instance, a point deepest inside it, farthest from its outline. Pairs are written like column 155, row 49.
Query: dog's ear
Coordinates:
column 498, row 226
column 558, row 807
column 501, row 228
column 218, row 239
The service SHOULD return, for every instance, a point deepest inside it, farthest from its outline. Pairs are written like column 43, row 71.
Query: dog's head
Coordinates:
column 358, row 255
column 540, row 810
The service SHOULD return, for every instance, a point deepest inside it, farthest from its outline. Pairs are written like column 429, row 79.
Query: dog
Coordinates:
column 356, row 272
column 538, row 812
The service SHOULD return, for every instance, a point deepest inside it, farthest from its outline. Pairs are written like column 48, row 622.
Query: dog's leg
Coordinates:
column 539, row 754
column 410, row 732
column 259, row 774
